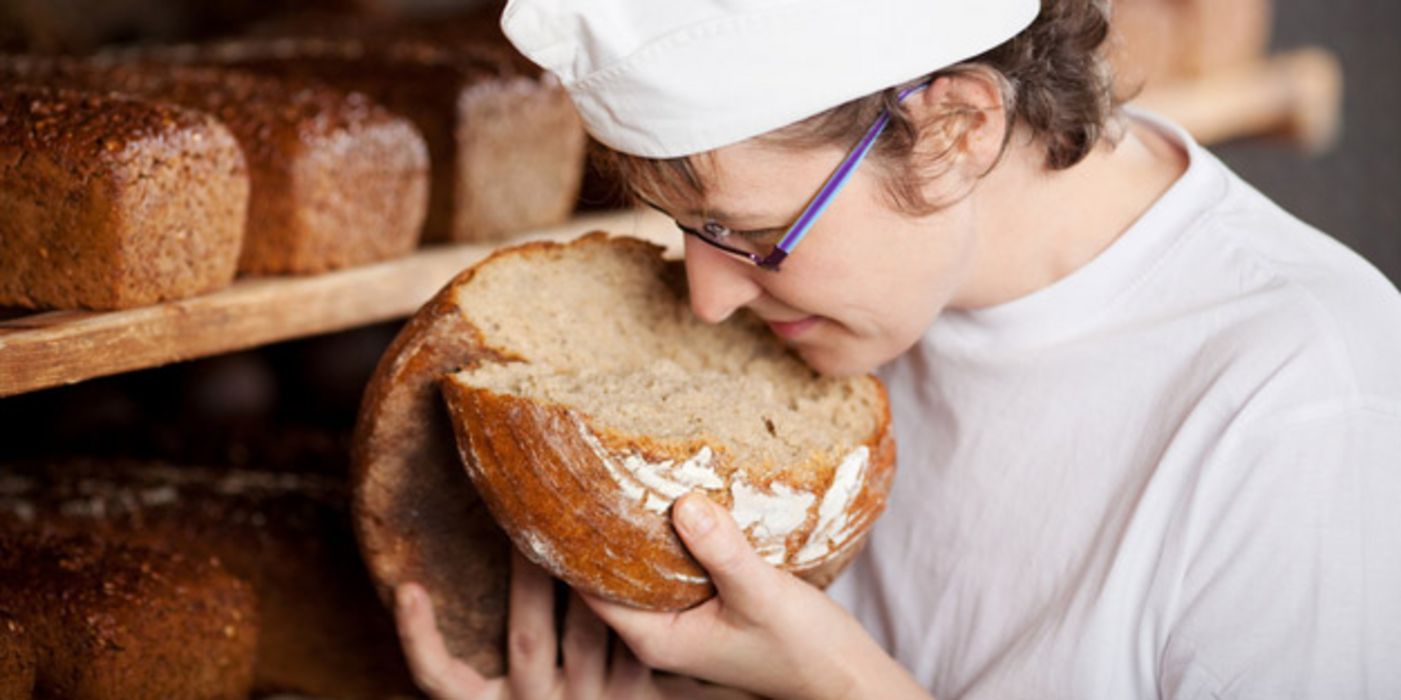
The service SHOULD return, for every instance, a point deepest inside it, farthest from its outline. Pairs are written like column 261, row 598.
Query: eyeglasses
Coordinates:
column 754, row 246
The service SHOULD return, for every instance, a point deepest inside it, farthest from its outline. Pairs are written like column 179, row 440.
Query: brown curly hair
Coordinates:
column 1055, row 83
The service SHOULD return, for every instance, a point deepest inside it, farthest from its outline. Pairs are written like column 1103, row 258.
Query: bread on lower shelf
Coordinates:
column 322, row 632
column 112, row 202
column 505, row 144
column 117, row 622
column 566, row 309
column 17, row 663
column 336, row 180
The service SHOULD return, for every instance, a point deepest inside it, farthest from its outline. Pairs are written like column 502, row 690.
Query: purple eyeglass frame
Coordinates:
column 835, row 182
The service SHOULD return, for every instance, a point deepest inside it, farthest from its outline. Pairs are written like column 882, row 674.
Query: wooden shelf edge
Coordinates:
column 1296, row 94
column 52, row 349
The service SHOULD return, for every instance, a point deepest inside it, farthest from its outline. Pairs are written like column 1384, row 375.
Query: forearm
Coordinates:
column 866, row 671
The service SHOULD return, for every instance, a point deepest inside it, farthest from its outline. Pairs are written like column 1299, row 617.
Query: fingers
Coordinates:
column 745, row 581
column 585, row 650
column 531, row 644
column 627, row 677
column 437, row 673
column 662, row 640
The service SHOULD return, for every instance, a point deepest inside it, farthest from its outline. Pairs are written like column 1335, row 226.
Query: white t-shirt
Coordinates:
column 1175, row 473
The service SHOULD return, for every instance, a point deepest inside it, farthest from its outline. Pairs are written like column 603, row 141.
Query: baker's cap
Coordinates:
column 666, row 78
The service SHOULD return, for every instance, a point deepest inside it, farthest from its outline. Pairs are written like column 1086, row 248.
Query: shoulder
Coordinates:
column 1290, row 299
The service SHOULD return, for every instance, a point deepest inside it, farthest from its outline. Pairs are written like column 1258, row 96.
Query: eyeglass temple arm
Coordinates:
column 832, row 186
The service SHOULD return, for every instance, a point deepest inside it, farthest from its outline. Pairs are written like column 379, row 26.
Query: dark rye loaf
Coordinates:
column 335, row 179
column 112, row 202
column 17, row 663
column 585, row 400
column 117, row 622
column 322, row 632
column 505, row 144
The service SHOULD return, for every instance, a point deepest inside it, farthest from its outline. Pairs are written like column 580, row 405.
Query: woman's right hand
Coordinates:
column 592, row 666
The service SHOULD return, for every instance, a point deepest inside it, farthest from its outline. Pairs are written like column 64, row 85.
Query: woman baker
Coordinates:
column 1149, row 423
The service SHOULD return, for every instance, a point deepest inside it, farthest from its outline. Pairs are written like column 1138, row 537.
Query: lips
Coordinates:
column 792, row 329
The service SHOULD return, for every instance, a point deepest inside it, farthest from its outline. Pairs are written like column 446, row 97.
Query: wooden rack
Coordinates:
column 1295, row 95
column 49, row 349
column 1207, row 65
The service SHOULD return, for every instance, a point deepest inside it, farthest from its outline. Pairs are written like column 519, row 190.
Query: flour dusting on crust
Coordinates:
column 769, row 516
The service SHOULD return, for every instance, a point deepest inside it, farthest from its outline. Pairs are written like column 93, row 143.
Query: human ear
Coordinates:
column 962, row 122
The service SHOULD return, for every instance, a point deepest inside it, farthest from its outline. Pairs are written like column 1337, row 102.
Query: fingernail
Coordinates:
column 695, row 515
column 406, row 597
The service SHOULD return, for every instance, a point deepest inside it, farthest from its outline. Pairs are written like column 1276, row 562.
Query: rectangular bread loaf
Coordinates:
column 109, row 621
column 322, row 631
column 111, row 202
column 17, row 660
column 336, row 180
column 506, row 146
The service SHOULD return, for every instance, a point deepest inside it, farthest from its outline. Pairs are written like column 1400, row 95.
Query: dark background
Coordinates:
column 1353, row 191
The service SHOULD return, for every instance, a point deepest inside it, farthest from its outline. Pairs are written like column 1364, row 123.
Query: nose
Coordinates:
column 719, row 284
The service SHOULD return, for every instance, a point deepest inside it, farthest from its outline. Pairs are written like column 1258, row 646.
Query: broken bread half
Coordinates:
column 602, row 400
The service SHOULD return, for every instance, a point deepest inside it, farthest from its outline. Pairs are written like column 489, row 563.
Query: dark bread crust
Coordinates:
column 113, row 621
column 416, row 515
column 322, row 632
column 111, row 202
column 499, row 434
column 336, row 180
column 17, row 663
column 506, row 146
column 554, row 495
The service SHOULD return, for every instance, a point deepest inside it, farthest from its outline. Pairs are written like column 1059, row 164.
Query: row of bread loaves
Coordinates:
column 142, row 177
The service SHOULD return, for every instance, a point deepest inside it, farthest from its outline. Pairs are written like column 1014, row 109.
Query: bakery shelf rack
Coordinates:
column 56, row 348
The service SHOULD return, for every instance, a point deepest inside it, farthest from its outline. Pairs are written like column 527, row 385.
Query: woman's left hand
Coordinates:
column 590, row 669
column 765, row 631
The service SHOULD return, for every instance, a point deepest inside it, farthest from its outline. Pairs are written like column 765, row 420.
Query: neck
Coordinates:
column 1060, row 220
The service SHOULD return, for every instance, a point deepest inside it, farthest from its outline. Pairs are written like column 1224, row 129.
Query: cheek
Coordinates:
column 916, row 270
column 933, row 260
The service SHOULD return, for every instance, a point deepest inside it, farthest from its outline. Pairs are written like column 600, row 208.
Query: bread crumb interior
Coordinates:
column 605, row 330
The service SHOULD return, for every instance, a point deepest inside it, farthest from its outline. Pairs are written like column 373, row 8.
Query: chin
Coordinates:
column 835, row 363
column 847, row 354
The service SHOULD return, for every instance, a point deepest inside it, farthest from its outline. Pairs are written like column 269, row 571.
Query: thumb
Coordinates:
column 745, row 581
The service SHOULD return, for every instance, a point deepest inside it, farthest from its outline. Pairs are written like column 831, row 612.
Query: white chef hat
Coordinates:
column 666, row 78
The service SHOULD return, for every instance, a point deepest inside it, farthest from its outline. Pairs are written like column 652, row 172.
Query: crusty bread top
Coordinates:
column 17, row 663
column 87, row 133
column 269, row 115
column 351, row 60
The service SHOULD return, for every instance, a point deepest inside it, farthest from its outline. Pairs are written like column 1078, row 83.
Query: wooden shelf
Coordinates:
column 49, row 349
column 1297, row 95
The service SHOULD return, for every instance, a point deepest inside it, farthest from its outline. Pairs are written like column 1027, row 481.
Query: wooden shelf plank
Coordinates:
column 1296, row 94
column 63, row 347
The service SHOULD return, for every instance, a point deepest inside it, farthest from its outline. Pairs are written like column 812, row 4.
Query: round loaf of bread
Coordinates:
column 803, row 462
column 611, row 400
